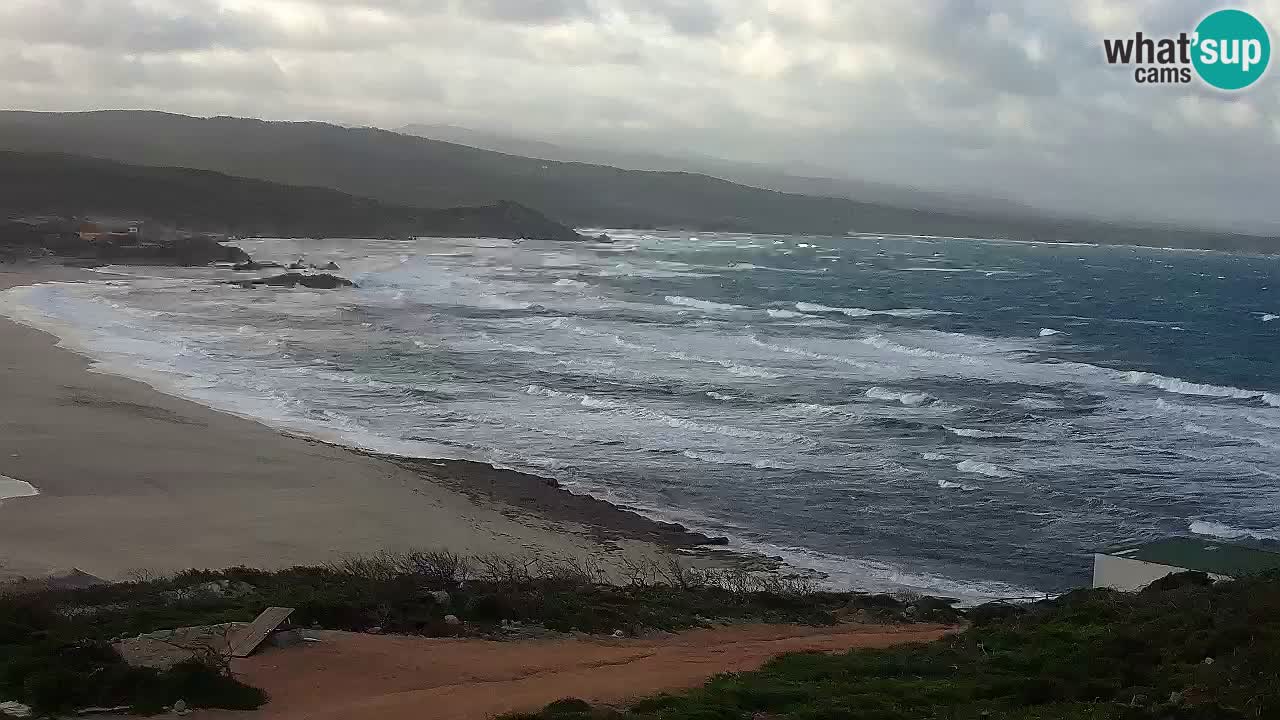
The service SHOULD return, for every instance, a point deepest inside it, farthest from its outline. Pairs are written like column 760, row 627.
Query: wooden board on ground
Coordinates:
column 252, row 636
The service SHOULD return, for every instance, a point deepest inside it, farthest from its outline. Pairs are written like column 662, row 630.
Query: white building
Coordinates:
column 1134, row 567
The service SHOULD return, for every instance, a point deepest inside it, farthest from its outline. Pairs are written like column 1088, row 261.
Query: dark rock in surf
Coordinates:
column 323, row 281
column 255, row 265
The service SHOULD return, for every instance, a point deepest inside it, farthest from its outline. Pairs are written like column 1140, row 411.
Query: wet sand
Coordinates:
column 130, row 478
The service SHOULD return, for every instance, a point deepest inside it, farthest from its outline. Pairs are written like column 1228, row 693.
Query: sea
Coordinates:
column 971, row 417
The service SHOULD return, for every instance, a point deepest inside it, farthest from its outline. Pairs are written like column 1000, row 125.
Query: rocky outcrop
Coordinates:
column 255, row 265
column 322, row 281
column 501, row 220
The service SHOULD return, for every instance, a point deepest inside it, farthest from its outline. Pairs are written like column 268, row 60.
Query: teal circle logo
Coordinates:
column 1232, row 49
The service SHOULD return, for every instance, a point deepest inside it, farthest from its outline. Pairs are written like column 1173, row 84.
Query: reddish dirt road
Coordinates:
column 354, row 677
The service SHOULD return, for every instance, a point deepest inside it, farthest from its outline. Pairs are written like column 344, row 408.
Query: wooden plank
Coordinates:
column 252, row 636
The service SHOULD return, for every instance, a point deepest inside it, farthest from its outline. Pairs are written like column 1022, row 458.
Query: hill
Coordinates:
column 805, row 181
column 200, row 200
column 411, row 171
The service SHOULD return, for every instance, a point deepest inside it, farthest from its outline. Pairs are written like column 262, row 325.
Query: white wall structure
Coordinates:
column 1121, row 573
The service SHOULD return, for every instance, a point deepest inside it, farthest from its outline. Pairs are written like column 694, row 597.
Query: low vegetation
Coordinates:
column 56, row 650
column 1184, row 649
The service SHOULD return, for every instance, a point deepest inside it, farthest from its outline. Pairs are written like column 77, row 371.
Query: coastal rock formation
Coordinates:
column 323, row 281
column 255, row 265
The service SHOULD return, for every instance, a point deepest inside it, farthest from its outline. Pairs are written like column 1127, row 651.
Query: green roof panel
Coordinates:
column 1209, row 556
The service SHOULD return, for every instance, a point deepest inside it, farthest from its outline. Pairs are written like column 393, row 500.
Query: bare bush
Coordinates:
column 436, row 567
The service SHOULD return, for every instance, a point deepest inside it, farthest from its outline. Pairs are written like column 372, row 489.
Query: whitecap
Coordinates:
column 1046, row 332
column 700, row 304
column 906, row 398
column 785, row 314
column 1202, row 430
column 857, row 312
column 1183, row 387
column 1037, row 403
column 948, row 485
column 720, row 458
column 645, row 414
column 973, row 433
column 798, row 352
column 721, row 396
column 1269, row 317
column 1227, row 532
column 978, row 467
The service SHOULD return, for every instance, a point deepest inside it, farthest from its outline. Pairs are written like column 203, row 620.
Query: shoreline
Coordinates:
column 130, row 477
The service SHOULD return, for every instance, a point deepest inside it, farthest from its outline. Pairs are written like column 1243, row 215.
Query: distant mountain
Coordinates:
column 33, row 184
column 402, row 170
column 752, row 174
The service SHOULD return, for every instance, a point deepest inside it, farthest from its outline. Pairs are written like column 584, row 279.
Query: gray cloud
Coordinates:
column 998, row 97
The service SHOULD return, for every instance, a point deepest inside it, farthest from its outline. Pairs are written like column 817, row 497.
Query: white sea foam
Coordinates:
column 978, row 467
column 746, row 371
column 642, row 413
column 933, row 456
column 13, row 488
column 1202, row 430
column 1037, row 403
column 974, row 433
column 721, row 396
column 700, row 304
column 1046, row 332
column 1269, row 317
column 948, row 485
column 857, row 312
column 746, row 267
column 785, row 314
column 909, row 399
column 1227, row 532
column 628, row 270
column 719, row 458
column 570, row 283
column 810, row 355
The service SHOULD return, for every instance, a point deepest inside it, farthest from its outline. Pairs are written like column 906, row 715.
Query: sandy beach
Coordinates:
column 130, row 478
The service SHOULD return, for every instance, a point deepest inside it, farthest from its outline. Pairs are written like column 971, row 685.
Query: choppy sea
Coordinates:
column 963, row 416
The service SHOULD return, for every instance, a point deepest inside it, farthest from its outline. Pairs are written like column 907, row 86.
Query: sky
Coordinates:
column 1008, row 99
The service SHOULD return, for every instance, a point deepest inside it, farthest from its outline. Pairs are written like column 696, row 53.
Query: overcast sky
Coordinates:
column 1010, row 99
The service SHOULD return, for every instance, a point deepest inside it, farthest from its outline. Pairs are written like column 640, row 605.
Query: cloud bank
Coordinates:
column 1010, row 99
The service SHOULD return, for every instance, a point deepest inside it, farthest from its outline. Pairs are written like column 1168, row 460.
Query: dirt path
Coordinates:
column 351, row 676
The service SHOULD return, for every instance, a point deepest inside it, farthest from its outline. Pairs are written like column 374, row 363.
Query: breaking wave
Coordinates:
column 909, row 399
column 857, row 312
column 982, row 434
column 977, row 467
column 700, row 304
column 1183, row 387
